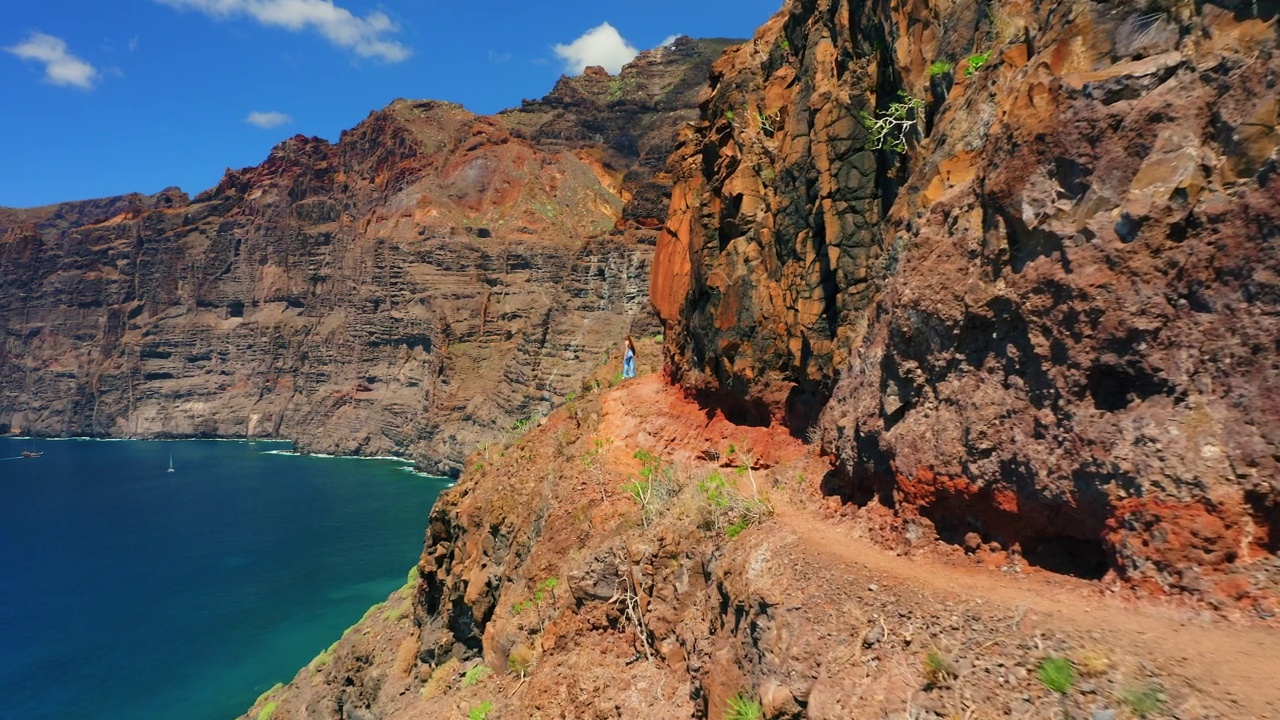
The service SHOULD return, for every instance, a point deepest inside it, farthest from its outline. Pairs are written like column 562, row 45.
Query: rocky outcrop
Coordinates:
column 554, row 584
column 416, row 288
column 1051, row 320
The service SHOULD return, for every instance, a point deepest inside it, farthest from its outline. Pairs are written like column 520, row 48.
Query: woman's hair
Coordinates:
column 629, row 342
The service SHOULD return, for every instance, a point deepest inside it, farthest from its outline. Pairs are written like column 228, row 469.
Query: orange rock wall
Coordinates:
column 1051, row 321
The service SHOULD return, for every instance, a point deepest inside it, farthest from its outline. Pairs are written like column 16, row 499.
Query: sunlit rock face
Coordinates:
column 1051, row 321
column 415, row 288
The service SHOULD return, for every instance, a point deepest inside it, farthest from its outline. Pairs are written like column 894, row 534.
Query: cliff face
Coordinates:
column 1044, row 332
column 415, row 288
column 1051, row 321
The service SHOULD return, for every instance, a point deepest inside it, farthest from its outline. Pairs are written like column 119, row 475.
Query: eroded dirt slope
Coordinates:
column 546, row 591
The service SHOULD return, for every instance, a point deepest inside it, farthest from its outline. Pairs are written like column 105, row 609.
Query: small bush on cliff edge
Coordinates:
column 899, row 123
column 729, row 509
column 654, row 488
column 975, row 61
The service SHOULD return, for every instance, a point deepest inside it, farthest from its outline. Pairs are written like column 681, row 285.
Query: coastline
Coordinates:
column 411, row 466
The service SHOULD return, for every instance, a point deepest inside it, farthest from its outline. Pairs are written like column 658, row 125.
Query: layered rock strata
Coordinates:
column 416, row 288
column 1051, row 321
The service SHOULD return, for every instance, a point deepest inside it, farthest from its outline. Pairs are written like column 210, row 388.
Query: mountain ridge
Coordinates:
column 417, row 287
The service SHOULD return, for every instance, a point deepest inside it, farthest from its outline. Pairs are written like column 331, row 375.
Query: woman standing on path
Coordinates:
column 629, row 359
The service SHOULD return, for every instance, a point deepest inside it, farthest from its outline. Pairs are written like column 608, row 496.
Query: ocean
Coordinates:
column 128, row 592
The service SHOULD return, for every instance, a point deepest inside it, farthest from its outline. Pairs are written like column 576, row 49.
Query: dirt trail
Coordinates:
column 1235, row 661
column 1229, row 660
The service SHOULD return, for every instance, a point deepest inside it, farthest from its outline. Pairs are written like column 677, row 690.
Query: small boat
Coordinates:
column 170, row 462
column 28, row 454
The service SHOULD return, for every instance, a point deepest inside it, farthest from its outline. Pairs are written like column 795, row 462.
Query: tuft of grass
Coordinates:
column 442, row 679
column 743, row 707
column 481, row 711
column 1057, row 674
column 938, row 671
column 1144, row 702
column 475, row 675
column 975, row 61
column 267, row 711
column 406, row 657
column 939, row 68
column 730, row 509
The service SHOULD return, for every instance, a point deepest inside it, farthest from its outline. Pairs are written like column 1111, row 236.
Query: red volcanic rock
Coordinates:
column 1051, row 322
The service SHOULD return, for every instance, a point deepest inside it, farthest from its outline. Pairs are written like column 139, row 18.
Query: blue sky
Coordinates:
column 103, row 97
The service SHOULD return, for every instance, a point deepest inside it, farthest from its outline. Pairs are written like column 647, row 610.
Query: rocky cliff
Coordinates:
column 415, row 288
column 939, row 416
column 1048, row 321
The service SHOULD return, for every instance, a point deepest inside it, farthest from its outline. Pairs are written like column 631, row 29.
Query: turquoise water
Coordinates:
column 129, row 592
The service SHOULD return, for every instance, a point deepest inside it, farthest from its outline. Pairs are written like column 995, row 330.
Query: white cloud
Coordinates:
column 60, row 66
column 365, row 36
column 267, row 119
column 601, row 45
column 670, row 39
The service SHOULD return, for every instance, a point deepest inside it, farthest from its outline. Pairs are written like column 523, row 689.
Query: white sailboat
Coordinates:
column 170, row 462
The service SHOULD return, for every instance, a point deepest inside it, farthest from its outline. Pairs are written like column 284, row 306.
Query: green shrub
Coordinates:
column 742, row 707
column 939, row 68
column 267, row 711
column 475, row 675
column 715, row 490
column 539, row 596
column 730, row 509
column 975, row 61
column 654, row 487
column 1057, row 674
column 895, row 127
column 481, row 711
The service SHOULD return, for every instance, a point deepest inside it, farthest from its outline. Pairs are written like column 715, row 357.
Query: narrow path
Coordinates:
column 1240, row 661
column 1236, row 661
